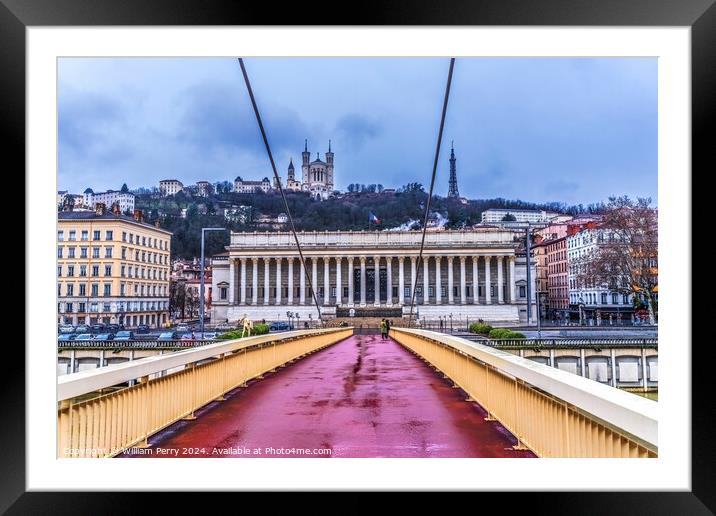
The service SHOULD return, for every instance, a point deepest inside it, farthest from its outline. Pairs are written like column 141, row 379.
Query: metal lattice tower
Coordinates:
column 452, row 190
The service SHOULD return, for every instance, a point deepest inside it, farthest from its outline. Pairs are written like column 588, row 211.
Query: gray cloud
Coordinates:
column 354, row 130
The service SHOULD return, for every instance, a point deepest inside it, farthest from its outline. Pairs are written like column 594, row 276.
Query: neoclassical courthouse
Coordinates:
column 472, row 273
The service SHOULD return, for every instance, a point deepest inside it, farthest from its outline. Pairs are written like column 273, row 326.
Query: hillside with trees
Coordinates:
column 184, row 214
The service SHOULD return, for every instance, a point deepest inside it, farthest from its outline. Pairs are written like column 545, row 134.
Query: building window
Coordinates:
column 83, row 270
column 406, row 291
column 615, row 298
column 59, row 290
column 95, row 252
column 492, row 290
column 83, row 289
column 443, row 291
column 223, row 293
column 85, row 234
column 431, row 291
column 455, row 291
column 122, row 271
column 70, row 289
column 73, row 235
column 124, row 236
column 95, row 235
column 523, row 291
column 625, row 299
column 106, row 308
column 60, row 236
column 70, row 270
column 144, row 240
column 95, row 270
column 107, row 289
column 108, row 252
column 70, row 252
column 419, row 291
column 93, row 307
column 320, row 291
column 109, row 235
column 604, row 298
column 131, row 238
column 345, row 291
column 107, row 270
column 467, row 291
column 68, row 307
column 121, row 289
column 83, row 252
column 124, row 253
column 81, row 308
column 95, row 290
column 59, row 252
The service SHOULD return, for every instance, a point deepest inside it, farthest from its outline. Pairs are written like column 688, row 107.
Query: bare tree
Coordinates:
column 625, row 258
column 192, row 301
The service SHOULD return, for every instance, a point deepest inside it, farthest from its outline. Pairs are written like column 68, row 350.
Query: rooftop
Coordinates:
column 93, row 215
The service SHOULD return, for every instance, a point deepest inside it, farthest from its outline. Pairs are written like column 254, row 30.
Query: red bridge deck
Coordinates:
column 363, row 397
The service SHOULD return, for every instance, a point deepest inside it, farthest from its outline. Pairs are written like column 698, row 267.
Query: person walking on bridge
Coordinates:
column 387, row 328
column 383, row 329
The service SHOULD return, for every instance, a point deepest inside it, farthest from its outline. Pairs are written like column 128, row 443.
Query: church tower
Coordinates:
column 291, row 172
column 452, row 189
column 329, row 168
column 306, row 156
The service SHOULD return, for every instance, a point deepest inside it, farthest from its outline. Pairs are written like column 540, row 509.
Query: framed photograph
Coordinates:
column 407, row 251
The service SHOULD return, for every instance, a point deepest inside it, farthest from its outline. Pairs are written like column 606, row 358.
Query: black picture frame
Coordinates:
column 17, row 15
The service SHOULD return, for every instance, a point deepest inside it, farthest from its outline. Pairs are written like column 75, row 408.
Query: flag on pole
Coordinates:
column 373, row 218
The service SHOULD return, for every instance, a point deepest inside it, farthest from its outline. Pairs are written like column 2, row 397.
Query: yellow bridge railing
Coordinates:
column 554, row 413
column 107, row 424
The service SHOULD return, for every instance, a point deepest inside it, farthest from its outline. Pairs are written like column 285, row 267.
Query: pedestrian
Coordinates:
column 382, row 329
column 387, row 328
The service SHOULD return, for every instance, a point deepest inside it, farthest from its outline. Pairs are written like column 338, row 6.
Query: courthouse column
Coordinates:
column 290, row 280
column 451, row 297
column 278, row 280
column 500, row 284
column 314, row 279
column 426, row 280
column 413, row 277
column 362, row 280
column 389, row 281
column 232, row 281
column 350, row 281
column 475, row 282
column 254, row 281
column 401, row 281
column 243, row 281
column 488, row 292
column 339, row 282
column 376, row 280
column 438, row 285
column 463, row 281
column 267, row 268
column 326, row 281
column 302, row 283
column 512, row 279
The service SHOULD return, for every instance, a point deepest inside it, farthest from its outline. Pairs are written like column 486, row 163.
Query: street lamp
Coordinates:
column 581, row 310
column 201, row 293
column 450, row 322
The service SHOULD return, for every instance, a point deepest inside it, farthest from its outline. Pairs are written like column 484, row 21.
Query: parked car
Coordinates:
column 65, row 337
column 182, row 328
column 65, row 328
column 209, row 335
column 188, row 336
column 279, row 326
column 167, row 335
column 124, row 335
column 84, row 337
column 97, row 328
column 104, row 337
column 82, row 328
column 113, row 328
column 142, row 328
column 225, row 326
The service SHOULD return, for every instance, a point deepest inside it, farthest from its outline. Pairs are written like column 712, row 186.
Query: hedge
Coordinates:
column 481, row 328
column 259, row 329
column 504, row 333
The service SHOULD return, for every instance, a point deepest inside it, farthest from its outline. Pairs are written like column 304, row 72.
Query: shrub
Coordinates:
column 480, row 328
column 504, row 333
column 259, row 329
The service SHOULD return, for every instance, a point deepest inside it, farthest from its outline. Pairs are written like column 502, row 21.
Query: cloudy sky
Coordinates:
column 536, row 129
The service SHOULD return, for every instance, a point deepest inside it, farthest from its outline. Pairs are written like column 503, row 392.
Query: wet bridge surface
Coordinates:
column 362, row 397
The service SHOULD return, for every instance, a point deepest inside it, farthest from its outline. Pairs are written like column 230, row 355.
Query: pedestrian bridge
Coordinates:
column 331, row 393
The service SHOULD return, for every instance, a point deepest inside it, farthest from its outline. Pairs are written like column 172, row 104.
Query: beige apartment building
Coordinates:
column 112, row 269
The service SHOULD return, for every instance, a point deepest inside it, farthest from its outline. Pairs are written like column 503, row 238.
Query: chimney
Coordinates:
column 115, row 209
column 138, row 215
column 156, row 224
column 100, row 208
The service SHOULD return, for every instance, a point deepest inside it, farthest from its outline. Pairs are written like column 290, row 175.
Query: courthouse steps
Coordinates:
column 493, row 313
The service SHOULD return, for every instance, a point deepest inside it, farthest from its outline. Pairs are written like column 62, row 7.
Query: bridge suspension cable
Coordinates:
column 430, row 192
column 280, row 188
